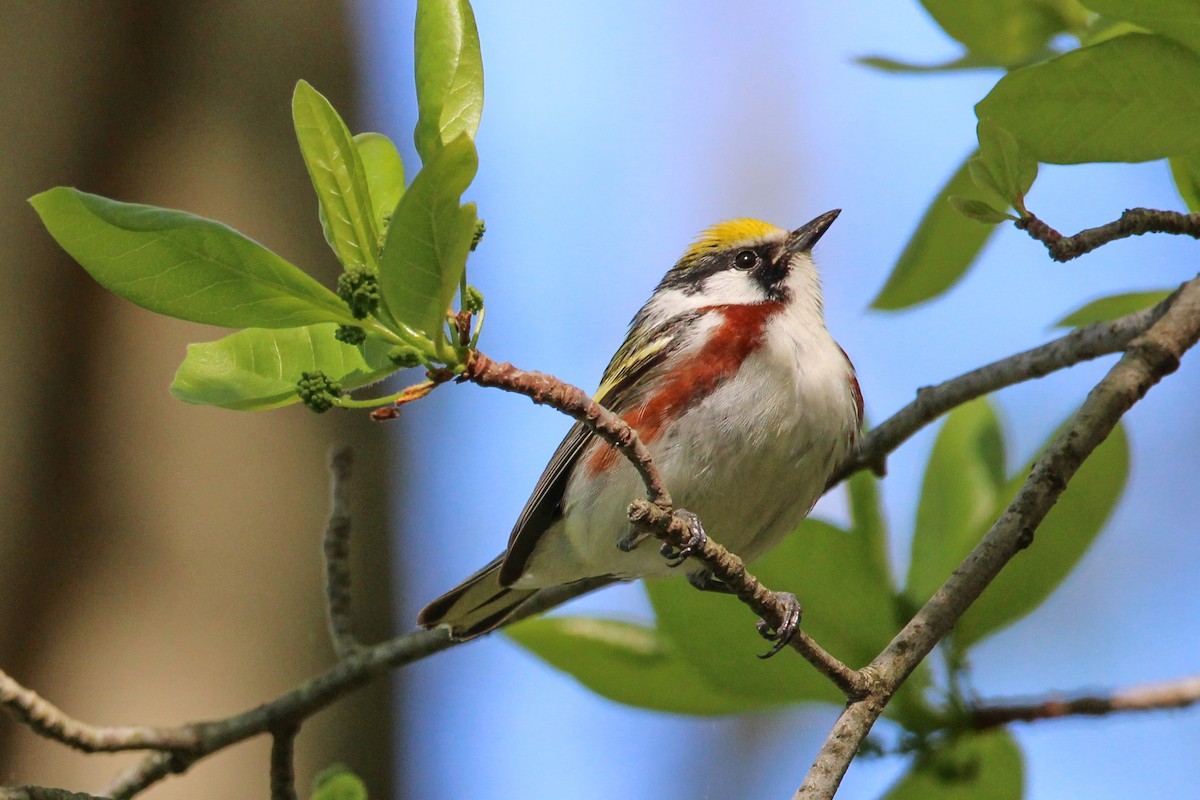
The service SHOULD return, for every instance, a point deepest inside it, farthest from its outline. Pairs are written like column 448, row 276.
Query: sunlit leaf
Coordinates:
column 338, row 783
column 715, row 634
column 385, row 176
column 629, row 663
column 184, row 266
column 978, row 211
column 973, row 766
column 1186, row 172
column 257, row 368
column 942, row 248
column 426, row 249
column 1112, row 307
column 1058, row 545
column 1005, row 32
column 1131, row 98
column 337, row 177
column 1009, row 163
column 1178, row 19
column 449, row 72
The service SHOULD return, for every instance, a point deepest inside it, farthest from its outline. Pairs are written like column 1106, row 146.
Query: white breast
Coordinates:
column 750, row 460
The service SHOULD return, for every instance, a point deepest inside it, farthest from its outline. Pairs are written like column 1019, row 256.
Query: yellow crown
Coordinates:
column 730, row 233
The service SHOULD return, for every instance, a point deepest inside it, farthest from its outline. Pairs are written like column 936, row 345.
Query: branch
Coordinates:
column 336, row 546
column 656, row 516
column 283, row 768
column 1134, row 222
column 1147, row 359
column 43, row 793
column 548, row 390
column 1150, row 697
column 179, row 747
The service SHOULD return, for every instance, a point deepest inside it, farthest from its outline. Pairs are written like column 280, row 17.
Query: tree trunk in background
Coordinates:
column 159, row 562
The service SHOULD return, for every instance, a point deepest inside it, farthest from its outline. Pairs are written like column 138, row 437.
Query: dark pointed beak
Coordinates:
column 803, row 238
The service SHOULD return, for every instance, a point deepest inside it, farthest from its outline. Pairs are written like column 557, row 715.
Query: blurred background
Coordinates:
column 160, row 562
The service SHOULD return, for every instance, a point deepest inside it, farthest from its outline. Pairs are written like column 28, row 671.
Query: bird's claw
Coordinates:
column 695, row 542
column 785, row 632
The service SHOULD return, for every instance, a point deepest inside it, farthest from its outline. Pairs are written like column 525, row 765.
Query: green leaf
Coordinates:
column 338, row 177
column 1011, row 165
column 256, row 369
column 1178, row 19
column 1131, row 98
column 972, row 766
column 1061, row 540
column 338, row 783
column 449, row 70
column 1112, row 307
column 959, row 495
column 628, row 663
column 385, row 176
column 978, row 211
column 184, row 266
column 716, row 635
column 1186, row 172
column 425, row 253
column 941, row 249
column 1004, row 32
column 885, row 64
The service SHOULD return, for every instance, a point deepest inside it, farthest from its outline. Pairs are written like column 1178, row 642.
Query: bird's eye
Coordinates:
column 745, row 259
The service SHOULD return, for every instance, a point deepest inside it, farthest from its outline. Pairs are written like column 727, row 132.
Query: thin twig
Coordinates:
column 1134, row 222
column 1149, row 697
column 47, row 719
column 336, row 546
column 283, row 762
column 147, row 772
column 43, row 793
column 1147, row 359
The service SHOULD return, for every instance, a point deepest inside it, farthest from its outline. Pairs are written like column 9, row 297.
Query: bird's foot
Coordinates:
column 785, row 632
column 695, row 542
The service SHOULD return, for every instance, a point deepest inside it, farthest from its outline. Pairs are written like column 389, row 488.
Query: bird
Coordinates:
column 744, row 400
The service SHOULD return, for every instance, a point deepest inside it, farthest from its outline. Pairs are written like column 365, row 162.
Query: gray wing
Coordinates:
column 636, row 360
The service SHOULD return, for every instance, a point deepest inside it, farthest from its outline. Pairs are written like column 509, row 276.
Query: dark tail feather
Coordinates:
column 476, row 606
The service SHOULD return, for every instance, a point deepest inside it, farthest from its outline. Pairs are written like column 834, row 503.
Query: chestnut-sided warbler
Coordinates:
column 744, row 400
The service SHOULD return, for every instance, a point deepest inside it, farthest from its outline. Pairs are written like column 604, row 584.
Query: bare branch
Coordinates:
column 1147, row 359
column 337, row 555
column 46, row 719
column 283, row 768
column 1150, row 697
column 147, row 772
column 43, row 793
column 1134, row 222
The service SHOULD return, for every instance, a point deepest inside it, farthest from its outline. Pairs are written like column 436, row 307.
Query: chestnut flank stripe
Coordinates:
column 741, row 332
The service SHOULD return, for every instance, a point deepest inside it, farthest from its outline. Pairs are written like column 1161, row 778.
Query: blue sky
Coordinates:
column 612, row 134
